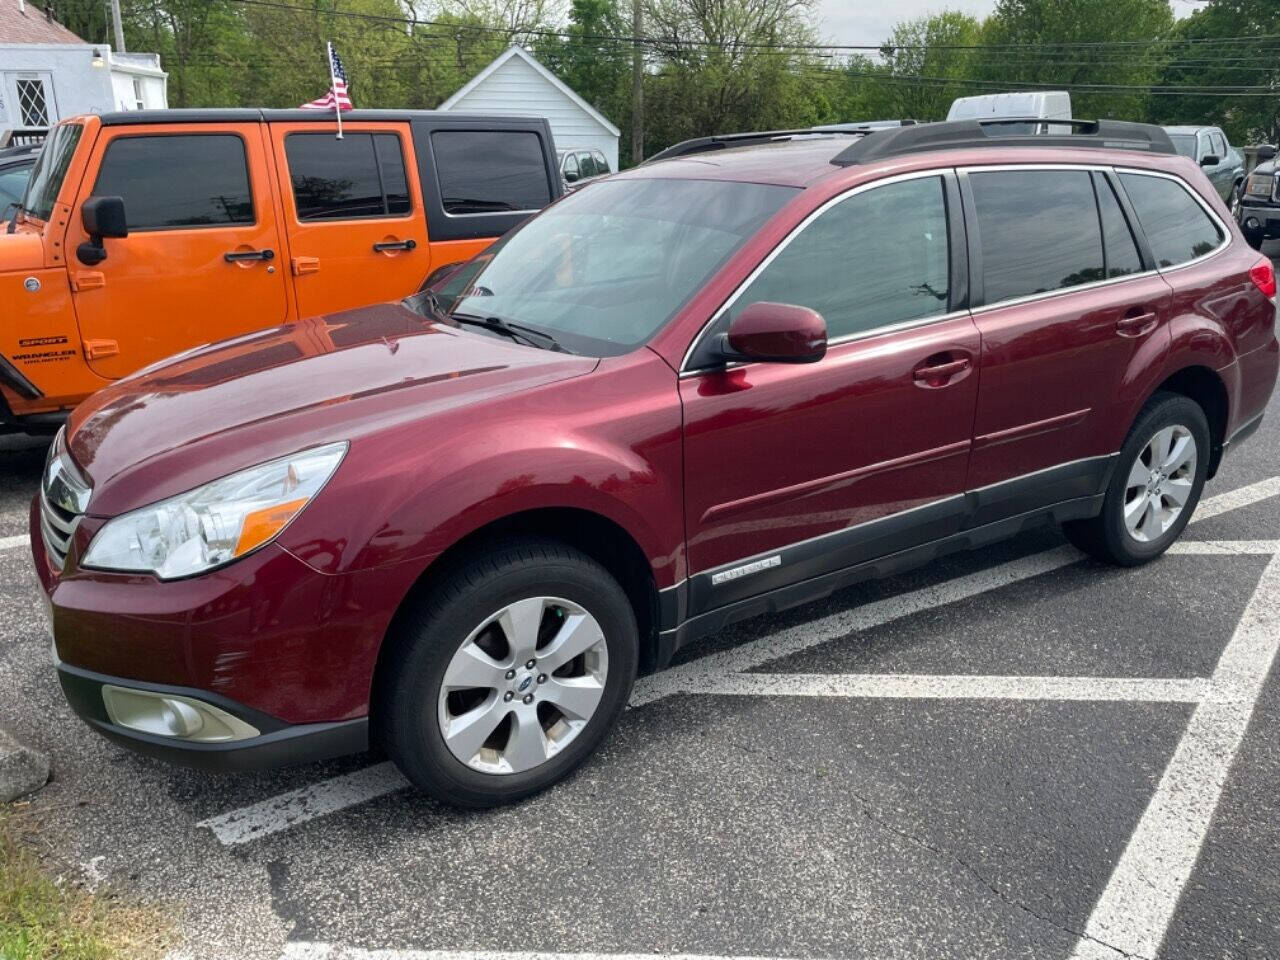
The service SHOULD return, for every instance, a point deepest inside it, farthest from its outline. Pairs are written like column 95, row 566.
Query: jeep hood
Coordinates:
column 226, row 406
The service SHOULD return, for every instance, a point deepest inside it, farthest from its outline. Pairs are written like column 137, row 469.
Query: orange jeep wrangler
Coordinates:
column 143, row 234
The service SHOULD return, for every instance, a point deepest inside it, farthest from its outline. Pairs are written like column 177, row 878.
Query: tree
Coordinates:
column 1196, row 61
column 1046, row 43
column 928, row 47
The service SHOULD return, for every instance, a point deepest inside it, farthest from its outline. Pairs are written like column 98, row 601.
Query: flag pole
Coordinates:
column 333, row 87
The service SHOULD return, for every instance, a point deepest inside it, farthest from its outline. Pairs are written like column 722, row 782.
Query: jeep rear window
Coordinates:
column 1184, row 143
column 50, row 170
column 490, row 171
column 1176, row 226
column 606, row 267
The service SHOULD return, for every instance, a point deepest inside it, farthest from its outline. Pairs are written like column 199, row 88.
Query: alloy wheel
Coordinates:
column 523, row 685
column 1160, row 483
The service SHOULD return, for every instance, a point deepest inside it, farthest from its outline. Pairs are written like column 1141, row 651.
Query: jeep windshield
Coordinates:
column 603, row 269
column 50, row 169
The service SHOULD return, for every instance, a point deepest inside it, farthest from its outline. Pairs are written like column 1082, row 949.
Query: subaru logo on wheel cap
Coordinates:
column 524, row 684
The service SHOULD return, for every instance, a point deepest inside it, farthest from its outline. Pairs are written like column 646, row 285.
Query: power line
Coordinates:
column 673, row 42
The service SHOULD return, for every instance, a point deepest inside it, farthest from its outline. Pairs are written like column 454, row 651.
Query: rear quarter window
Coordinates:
column 1177, row 226
column 488, row 171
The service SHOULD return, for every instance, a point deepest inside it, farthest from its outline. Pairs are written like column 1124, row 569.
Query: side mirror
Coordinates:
column 1210, row 160
column 776, row 333
column 102, row 217
column 572, row 176
column 1266, row 152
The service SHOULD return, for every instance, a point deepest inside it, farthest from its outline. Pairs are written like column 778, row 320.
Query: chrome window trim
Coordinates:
column 686, row 370
column 1222, row 227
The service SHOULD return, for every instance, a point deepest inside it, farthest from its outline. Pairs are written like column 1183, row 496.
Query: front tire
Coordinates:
column 1155, row 488
column 509, row 674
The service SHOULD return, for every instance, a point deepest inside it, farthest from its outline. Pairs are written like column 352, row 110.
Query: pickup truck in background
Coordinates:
column 146, row 233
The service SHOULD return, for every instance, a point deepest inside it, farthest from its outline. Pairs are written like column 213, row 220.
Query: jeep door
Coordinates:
column 202, row 258
column 794, row 472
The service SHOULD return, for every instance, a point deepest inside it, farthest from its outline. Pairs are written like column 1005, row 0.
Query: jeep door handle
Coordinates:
column 940, row 374
column 239, row 256
column 395, row 245
column 1137, row 324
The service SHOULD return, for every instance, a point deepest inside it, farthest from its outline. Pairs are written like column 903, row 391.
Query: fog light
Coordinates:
column 169, row 715
column 1252, row 223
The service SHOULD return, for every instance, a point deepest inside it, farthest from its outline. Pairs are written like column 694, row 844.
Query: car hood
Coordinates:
column 226, row 406
column 1268, row 168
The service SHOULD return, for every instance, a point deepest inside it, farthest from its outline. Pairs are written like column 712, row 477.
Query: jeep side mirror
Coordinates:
column 776, row 333
column 1210, row 160
column 101, row 217
column 572, row 176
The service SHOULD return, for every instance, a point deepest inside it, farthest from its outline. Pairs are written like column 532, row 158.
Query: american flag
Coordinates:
column 339, row 96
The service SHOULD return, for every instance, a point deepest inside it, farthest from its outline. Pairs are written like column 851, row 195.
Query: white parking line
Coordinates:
column 328, row 796
column 923, row 687
column 1134, row 911
column 1261, row 548
column 328, row 951
column 306, row 803
column 10, row 543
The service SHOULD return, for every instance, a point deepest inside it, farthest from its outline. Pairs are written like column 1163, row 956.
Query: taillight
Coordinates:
column 1263, row 276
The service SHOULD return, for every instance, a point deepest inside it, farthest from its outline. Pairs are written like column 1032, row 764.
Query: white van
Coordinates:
column 1048, row 104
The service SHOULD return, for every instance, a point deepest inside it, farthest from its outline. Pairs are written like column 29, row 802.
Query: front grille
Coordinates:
column 1275, row 188
column 64, row 496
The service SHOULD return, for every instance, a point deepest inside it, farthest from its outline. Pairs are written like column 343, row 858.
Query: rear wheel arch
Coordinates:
column 593, row 534
column 1206, row 387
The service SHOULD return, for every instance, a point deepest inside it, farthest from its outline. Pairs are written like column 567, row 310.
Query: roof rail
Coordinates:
column 724, row 141
column 1101, row 134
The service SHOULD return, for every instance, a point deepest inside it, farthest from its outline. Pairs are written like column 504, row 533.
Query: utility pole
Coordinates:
column 637, row 82
column 115, row 21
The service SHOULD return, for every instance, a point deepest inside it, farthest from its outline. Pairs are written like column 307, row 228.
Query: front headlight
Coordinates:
column 217, row 523
column 1259, row 185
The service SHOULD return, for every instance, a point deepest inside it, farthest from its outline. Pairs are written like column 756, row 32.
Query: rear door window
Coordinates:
column 602, row 165
column 178, row 180
column 1177, row 227
column 358, row 177
column 489, row 171
column 1039, row 231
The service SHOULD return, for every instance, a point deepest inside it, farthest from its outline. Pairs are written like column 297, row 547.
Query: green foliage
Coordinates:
column 1252, row 63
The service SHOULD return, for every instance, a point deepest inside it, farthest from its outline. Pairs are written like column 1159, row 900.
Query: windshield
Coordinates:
column 1185, row 144
column 51, row 167
column 603, row 269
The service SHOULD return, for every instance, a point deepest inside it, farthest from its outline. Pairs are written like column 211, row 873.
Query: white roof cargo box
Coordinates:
column 1048, row 104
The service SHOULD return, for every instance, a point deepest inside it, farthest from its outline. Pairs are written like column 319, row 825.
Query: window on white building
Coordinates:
column 138, row 102
column 32, row 104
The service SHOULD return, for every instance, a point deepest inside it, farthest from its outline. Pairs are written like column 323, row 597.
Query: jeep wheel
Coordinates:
column 509, row 674
column 1156, row 485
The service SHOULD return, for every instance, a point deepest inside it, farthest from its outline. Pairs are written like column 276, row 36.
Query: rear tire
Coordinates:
column 461, row 666
column 1155, row 487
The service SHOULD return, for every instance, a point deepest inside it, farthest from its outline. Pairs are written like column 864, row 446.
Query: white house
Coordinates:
column 47, row 73
column 517, row 84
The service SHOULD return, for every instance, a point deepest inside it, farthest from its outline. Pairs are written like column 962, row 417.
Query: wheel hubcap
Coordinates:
column 1160, row 483
column 523, row 685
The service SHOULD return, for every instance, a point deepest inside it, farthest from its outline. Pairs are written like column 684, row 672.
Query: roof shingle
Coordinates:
column 31, row 26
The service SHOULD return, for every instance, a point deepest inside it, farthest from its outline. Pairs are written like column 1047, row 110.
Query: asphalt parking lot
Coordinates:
column 1013, row 753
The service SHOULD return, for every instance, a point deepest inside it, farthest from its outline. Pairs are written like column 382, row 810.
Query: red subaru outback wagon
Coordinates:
column 732, row 380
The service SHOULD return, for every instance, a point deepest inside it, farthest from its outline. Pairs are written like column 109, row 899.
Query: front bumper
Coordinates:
column 279, row 744
column 1265, row 216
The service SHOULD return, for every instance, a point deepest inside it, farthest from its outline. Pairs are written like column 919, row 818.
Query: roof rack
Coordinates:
column 724, row 141
column 1098, row 134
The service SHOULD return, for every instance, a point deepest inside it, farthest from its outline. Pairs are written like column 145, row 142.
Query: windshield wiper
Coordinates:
column 516, row 331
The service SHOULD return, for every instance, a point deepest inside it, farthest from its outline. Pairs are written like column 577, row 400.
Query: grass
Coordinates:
column 43, row 918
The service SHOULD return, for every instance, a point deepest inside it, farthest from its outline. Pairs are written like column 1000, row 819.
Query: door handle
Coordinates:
column 940, row 374
column 239, row 256
column 1137, row 324
column 395, row 245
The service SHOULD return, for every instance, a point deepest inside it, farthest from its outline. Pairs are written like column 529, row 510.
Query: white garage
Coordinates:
column 517, row 84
